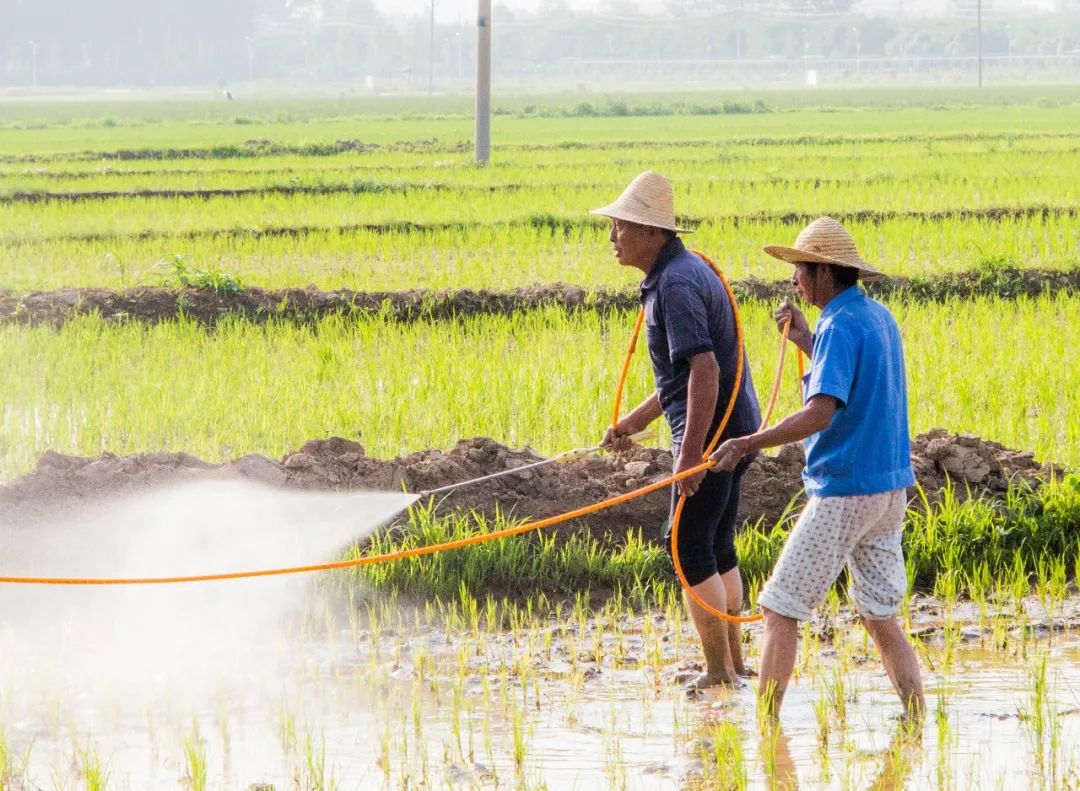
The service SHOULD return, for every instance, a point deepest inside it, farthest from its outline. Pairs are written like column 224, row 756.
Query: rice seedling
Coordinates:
column 58, row 404
column 90, row 767
column 726, row 765
column 13, row 763
column 195, row 770
column 315, row 772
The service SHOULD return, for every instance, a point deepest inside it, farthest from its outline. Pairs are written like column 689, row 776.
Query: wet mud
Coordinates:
column 206, row 306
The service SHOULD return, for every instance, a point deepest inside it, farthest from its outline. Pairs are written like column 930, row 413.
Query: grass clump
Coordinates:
column 963, row 540
column 975, row 534
column 182, row 275
column 543, row 562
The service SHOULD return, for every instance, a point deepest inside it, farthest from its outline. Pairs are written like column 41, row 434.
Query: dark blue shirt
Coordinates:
column 858, row 359
column 687, row 312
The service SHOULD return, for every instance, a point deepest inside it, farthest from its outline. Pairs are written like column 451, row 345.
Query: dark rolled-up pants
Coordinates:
column 707, row 527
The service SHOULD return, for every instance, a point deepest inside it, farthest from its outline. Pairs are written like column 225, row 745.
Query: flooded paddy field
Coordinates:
column 338, row 301
column 527, row 694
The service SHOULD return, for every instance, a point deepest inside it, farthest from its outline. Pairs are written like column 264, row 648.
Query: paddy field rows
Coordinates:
column 544, row 379
column 452, row 684
column 117, row 203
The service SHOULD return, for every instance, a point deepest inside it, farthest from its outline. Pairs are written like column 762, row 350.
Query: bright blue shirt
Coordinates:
column 687, row 312
column 858, row 359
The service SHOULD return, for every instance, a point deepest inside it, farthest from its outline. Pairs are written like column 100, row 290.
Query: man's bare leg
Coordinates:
column 777, row 662
column 733, row 591
column 713, row 632
column 901, row 664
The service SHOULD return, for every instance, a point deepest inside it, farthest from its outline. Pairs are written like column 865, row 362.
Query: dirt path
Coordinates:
column 63, row 482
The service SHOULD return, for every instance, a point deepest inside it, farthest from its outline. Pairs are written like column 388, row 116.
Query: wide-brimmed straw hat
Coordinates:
column 825, row 241
column 649, row 200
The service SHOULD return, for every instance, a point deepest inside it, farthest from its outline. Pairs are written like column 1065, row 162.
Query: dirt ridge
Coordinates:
column 158, row 304
column 63, row 482
column 358, row 187
column 262, row 147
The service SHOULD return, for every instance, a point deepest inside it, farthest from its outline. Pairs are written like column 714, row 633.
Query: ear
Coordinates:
column 822, row 274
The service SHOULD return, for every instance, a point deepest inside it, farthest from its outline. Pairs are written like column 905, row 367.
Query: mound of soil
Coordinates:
column 254, row 304
column 770, row 485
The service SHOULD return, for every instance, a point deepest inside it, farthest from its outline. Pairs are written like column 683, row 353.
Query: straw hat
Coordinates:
column 825, row 241
column 649, row 200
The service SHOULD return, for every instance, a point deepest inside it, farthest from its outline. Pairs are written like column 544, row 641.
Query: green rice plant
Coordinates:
column 505, row 564
column 1043, row 722
column 195, row 770
column 951, row 544
column 838, row 695
column 79, row 394
column 385, row 745
column 725, row 765
column 13, row 764
column 821, row 718
column 286, row 726
column 90, row 767
column 946, row 740
column 1008, row 538
column 1051, row 585
column 224, row 727
column 315, row 774
column 979, row 584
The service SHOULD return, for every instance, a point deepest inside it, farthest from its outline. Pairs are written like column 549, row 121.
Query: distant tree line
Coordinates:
column 200, row 42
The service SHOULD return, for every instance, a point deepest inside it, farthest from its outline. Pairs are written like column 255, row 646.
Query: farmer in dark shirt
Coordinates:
column 693, row 345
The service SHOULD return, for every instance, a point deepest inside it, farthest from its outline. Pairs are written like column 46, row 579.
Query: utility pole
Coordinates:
column 858, row 52
column 483, row 81
column 431, row 53
column 251, row 58
column 978, row 19
column 33, row 64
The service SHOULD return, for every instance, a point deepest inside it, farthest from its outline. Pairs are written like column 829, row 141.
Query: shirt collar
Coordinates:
column 669, row 251
column 849, row 294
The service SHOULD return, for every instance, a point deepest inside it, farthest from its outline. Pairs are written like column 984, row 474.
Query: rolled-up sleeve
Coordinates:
column 687, row 319
column 832, row 370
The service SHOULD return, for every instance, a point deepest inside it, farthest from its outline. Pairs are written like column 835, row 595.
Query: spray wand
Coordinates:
column 565, row 457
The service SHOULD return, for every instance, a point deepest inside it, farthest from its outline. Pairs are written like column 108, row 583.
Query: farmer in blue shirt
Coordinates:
column 858, row 464
column 693, row 346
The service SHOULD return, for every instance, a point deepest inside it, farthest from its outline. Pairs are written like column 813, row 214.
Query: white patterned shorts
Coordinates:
column 862, row 532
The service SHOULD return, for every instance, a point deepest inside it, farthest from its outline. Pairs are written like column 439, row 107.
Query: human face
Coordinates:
column 805, row 284
column 634, row 245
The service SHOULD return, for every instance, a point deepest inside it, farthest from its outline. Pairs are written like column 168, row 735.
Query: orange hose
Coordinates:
column 512, row 531
column 779, row 375
column 368, row 560
column 626, row 369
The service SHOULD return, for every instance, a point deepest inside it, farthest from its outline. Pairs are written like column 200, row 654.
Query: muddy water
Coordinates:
column 583, row 702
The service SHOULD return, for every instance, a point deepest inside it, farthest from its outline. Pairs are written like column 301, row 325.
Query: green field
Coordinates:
column 925, row 190
column 552, row 660
column 92, row 387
